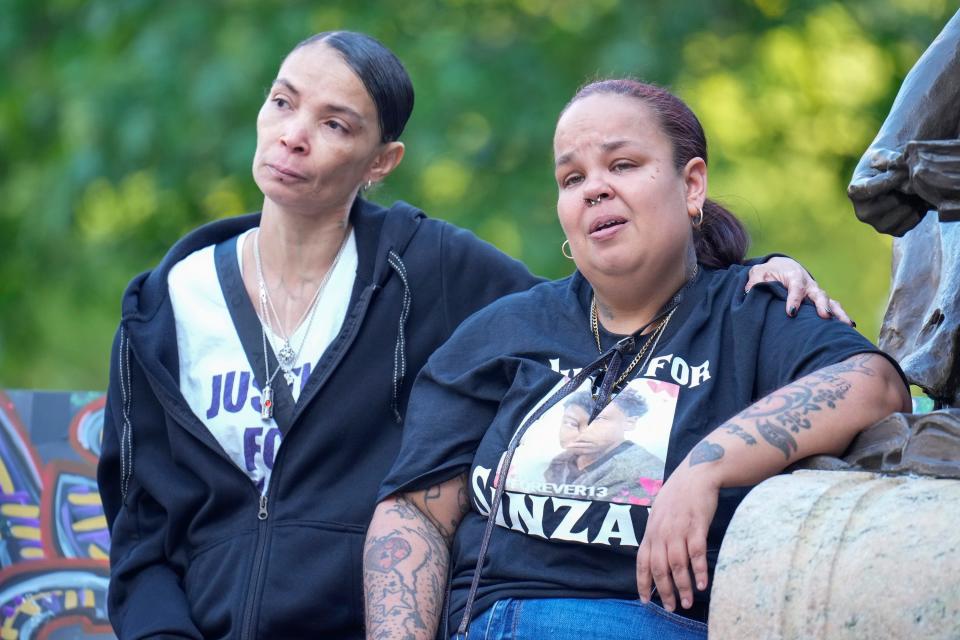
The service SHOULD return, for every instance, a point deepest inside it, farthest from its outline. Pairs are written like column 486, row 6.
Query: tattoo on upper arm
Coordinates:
column 705, row 452
column 384, row 554
column 405, row 570
column 855, row 364
column 463, row 498
column 432, row 495
column 405, row 576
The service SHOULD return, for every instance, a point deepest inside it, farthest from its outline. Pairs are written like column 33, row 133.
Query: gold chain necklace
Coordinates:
column 653, row 339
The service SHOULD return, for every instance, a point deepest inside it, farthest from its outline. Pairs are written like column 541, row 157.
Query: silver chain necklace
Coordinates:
column 287, row 356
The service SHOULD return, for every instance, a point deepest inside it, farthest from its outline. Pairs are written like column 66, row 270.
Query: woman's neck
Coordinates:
column 624, row 305
column 296, row 252
column 297, row 249
column 623, row 316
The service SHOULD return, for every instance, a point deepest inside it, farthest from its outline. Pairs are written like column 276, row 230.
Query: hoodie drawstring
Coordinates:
column 400, row 349
column 126, row 402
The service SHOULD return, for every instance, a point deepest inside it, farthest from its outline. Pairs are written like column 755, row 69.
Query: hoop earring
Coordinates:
column 564, row 248
column 699, row 219
column 367, row 186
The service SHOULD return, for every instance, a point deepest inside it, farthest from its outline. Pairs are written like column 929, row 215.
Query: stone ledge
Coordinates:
column 841, row 556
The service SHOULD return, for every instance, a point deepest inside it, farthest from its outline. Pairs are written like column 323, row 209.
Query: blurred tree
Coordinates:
column 124, row 123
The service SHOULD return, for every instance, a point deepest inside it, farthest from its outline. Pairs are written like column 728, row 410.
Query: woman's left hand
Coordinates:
column 675, row 538
column 800, row 285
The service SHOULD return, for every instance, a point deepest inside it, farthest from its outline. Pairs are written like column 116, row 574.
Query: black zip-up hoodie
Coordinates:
column 196, row 551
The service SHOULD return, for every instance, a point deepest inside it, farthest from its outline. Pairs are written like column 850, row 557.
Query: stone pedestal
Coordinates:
column 820, row 555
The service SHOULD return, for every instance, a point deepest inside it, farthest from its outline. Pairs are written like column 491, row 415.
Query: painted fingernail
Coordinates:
column 686, row 603
column 853, row 324
column 792, row 312
column 701, row 585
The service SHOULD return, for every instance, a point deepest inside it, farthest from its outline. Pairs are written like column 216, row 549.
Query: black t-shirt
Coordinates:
column 577, row 496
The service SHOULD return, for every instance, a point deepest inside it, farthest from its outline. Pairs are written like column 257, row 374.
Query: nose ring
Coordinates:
column 591, row 202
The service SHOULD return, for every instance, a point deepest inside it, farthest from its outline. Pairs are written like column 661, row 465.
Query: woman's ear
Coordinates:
column 386, row 161
column 695, row 180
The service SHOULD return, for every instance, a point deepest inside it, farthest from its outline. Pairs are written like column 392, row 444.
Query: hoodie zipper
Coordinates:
column 263, row 514
column 178, row 409
column 247, row 628
column 253, row 602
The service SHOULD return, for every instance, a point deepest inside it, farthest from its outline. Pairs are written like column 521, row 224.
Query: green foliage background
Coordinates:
column 124, row 123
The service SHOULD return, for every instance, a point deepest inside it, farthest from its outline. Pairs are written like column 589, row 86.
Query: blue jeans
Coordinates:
column 582, row 619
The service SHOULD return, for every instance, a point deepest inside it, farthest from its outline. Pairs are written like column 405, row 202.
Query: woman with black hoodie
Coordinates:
column 260, row 371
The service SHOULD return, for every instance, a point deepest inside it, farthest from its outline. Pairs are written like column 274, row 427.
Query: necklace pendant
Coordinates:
column 289, row 377
column 266, row 403
column 286, row 355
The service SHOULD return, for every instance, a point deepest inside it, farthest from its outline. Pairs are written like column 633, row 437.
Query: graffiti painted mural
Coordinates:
column 54, row 542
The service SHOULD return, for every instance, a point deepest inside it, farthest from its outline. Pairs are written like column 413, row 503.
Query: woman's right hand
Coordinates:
column 675, row 538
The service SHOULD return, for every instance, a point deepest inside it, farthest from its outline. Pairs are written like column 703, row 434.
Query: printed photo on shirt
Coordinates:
column 619, row 457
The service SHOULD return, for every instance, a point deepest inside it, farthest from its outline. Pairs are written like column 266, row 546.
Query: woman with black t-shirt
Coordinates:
column 733, row 393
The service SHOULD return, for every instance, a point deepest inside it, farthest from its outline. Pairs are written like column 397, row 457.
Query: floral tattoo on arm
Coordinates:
column 779, row 417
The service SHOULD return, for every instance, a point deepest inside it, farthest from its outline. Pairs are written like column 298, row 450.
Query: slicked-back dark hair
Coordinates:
column 721, row 240
column 381, row 72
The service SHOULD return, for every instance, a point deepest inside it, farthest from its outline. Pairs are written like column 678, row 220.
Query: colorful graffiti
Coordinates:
column 54, row 542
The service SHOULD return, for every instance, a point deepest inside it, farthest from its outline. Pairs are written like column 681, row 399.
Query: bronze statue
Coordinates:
column 835, row 537
column 910, row 169
column 907, row 184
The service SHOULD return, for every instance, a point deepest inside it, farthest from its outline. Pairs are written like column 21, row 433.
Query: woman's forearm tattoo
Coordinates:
column 405, row 569
column 777, row 418
column 737, row 430
column 404, row 576
column 705, row 451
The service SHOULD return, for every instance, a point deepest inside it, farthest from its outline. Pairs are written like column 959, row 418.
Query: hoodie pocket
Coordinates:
column 215, row 584
column 314, row 581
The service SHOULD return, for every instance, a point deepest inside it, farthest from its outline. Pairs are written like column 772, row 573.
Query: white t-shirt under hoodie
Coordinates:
column 215, row 377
